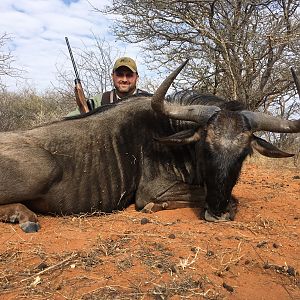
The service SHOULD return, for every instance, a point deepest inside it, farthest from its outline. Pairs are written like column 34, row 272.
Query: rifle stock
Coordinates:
column 80, row 97
column 79, row 93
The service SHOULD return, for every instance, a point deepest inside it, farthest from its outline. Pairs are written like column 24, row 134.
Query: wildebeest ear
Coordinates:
column 267, row 149
column 181, row 138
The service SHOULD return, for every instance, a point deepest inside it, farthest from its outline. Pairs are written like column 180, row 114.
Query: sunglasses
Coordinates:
column 124, row 74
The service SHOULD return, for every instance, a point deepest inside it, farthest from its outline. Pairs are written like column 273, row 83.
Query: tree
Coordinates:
column 241, row 50
column 6, row 61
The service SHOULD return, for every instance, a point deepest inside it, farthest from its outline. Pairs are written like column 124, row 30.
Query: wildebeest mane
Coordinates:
column 193, row 97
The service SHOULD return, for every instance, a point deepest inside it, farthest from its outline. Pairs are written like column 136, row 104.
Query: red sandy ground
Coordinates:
column 175, row 255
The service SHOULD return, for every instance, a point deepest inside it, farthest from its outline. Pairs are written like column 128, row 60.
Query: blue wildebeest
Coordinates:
column 105, row 160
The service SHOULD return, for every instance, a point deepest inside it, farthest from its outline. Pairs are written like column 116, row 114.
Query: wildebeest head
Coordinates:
column 224, row 137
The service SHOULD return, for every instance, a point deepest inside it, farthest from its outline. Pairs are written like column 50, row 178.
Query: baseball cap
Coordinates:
column 125, row 62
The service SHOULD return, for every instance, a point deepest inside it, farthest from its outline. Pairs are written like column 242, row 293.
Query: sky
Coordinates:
column 37, row 29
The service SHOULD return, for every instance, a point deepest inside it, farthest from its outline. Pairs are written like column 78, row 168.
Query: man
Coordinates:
column 124, row 77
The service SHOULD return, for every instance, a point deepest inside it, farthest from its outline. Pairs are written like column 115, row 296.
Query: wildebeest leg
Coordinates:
column 169, row 195
column 153, row 207
column 27, row 173
column 19, row 213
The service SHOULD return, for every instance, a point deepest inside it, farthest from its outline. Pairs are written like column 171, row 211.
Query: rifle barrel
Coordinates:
column 72, row 58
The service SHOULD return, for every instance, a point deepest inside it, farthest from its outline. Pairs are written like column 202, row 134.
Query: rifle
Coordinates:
column 83, row 104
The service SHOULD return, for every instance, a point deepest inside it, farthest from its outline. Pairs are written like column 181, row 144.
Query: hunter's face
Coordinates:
column 124, row 81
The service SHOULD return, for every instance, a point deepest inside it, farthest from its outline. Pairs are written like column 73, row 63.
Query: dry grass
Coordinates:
column 26, row 109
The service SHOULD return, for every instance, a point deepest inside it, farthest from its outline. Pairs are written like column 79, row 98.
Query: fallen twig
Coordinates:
column 52, row 267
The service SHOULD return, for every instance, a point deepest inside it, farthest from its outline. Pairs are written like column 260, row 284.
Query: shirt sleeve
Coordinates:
column 73, row 113
column 97, row 100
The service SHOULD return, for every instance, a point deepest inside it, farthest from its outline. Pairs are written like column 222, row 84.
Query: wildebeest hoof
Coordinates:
column 213, row 218
column 165, row 205
column 154, row 207
column 148, row 208
column 29, row 227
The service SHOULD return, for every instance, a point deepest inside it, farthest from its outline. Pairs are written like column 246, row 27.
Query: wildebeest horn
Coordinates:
column 157, row 102
column 196, row 113
column 260, row 121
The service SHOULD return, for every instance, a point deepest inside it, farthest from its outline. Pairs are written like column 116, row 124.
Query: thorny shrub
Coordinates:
column 26, row 109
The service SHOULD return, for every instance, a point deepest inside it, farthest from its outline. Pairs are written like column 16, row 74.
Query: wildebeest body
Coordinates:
column 158, row 154
column 95, row 163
